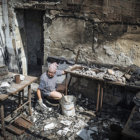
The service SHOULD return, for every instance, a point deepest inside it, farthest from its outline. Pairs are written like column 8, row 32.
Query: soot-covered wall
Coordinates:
column 107, row 31
column 103, row 42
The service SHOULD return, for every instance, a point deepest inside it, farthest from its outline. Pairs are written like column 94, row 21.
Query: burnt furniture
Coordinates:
column 101, row 83
column 16, row 89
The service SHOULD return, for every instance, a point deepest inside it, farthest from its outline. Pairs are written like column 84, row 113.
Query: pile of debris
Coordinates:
column 134, row 76
column 129, row 76
column 51, row 124
column 102, row 73
column 5, row 83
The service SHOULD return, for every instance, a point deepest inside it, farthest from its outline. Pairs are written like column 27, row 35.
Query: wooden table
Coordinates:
column 101, row 82
column 13, row 90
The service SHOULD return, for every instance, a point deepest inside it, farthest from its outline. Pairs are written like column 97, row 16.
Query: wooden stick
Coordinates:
column 29, row 99
column 101, row 103
column 98, row 95
column 2, row 119
column 66, row 92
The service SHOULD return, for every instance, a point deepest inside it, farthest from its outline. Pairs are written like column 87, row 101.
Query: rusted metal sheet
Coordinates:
column 23, row 122
column 15, row 130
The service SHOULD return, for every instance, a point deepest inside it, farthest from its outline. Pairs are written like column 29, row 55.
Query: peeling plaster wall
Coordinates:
column 10, row 60
column 118, row 46
column 102, row 42
column 106, row 30
column 65, row 35
column 20, row 40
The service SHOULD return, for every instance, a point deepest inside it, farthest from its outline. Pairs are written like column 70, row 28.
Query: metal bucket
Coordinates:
column 68, row 105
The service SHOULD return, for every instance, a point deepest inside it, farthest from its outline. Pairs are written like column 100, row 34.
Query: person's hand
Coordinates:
column 40, row 102
column 63, row 72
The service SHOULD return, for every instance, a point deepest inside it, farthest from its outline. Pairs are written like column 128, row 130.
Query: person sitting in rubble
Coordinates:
column 48, row 84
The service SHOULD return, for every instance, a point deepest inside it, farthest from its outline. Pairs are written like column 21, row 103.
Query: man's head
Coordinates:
column 52, row 69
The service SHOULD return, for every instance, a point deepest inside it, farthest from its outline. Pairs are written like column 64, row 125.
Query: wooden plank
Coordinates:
column 2, row 119
column 23, row 122
column 127, row 131
column 15, row 130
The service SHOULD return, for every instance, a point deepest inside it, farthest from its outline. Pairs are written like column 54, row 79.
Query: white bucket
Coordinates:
column 68, row 105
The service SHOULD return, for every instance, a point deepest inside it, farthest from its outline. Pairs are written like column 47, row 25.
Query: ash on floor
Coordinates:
column 51, row 124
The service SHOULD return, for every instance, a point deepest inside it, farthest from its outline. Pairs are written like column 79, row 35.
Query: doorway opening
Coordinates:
column 34, row 39
column 30, row 25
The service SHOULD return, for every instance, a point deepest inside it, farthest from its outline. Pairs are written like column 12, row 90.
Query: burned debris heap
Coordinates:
column 122, row 75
